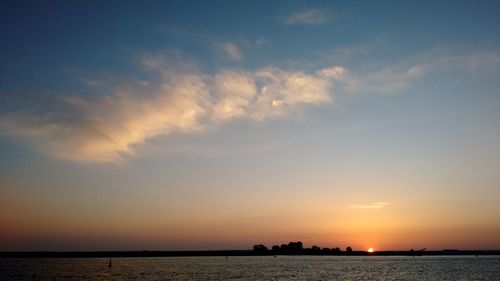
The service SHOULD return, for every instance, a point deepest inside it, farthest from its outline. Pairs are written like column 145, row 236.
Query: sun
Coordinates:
column 370, row 250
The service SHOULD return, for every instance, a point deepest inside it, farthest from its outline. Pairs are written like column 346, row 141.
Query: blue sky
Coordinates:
column 141, row 125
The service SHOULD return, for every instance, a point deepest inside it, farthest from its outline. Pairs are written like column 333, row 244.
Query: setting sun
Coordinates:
column 370, row 250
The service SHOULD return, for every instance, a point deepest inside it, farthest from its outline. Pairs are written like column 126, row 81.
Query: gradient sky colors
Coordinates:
column 222, row 124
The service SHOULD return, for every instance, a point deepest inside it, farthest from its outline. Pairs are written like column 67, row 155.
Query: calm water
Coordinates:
column 255, row 268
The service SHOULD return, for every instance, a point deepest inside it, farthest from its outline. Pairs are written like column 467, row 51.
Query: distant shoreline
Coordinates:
column 113, row 254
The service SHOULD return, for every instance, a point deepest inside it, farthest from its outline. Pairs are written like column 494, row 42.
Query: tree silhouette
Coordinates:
column 259, row 248
column 295, row 247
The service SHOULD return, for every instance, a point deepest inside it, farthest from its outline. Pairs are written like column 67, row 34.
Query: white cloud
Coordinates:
column 398, row 76
column 309, row 16
column 282, row 91
column 337, row 72
column 372, row 205
column 105, row 129
column 183, row 100
column 235, row 91
column 383, row 80
column 231, row 50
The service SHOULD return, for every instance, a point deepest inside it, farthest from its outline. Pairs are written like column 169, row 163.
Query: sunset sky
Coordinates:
column 180, row 125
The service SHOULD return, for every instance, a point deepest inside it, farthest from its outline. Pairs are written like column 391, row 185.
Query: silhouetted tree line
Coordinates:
column 297, row 248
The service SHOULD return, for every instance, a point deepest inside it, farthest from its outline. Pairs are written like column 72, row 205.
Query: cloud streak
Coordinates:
column 313, row 16
column 372, row 205
column 231, row 50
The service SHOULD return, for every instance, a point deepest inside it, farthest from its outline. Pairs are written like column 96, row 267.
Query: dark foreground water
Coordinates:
column 255, row 268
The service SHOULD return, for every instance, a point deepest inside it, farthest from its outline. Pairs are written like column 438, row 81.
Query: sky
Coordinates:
column 182, row 125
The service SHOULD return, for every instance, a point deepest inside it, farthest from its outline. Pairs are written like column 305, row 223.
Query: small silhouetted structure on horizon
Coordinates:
column 418, row 252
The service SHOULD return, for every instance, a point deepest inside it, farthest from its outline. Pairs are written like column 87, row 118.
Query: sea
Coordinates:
column 255, row 268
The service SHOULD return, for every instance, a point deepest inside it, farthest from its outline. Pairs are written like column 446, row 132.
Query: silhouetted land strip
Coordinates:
column 108, row 254
column 292, row 248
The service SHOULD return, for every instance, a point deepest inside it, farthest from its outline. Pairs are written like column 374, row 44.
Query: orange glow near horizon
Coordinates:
column 35, row 218
column 370, row 250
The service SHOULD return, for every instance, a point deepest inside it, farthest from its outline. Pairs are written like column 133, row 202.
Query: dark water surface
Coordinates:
column 255, row 268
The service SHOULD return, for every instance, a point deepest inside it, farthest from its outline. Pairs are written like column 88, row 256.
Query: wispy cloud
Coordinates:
column 106, row 128
column 313, row 16
column 231, row 50
column 398, row 76
column 381, row 81
column 261, row 41
column 476, row 62
column 372, row 205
